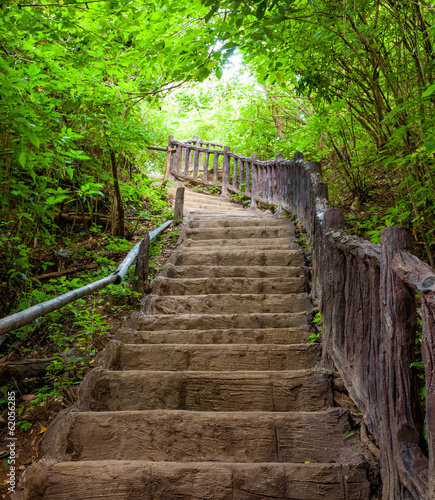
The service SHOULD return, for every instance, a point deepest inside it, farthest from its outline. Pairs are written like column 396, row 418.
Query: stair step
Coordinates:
column 140, row 321
column 295, row 390
column 252, row 243
column 245, row 232
column 227, row 303
column 203, row 357
column 183, row 436
column 138, row 480
column 236, row 222
column 227, row 336
column 171, row 271
column 236, row 257
column 200, row 286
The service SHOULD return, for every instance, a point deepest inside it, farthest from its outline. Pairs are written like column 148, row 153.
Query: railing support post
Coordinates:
column 277, row 196
column 225, row 172
column 168, row 157
column 398, row 393
column 179, row 204
column 142, row 266
column 254, row 177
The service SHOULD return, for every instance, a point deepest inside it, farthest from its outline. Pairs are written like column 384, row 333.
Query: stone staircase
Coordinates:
column 213, row 393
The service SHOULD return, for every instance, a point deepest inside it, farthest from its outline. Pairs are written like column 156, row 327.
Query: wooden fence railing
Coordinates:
column 367, row 298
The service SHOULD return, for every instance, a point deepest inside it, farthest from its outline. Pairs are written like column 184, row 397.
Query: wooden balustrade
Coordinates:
column 366, row 296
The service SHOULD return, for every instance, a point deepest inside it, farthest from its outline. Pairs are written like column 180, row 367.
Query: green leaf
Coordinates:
column 429, row 91
column 22, row 157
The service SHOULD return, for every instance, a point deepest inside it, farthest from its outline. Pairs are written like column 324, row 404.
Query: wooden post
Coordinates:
column 187, row 152
column 248, row 166
column 254, row 194
column 278, row 195
column 177, row 159
column 241, row 167
column 168, row 157
column 398, row 394
column 195, row 163
column 179, row 204
column 215, row 168
column 142, row 266
column 225, row 172
column 234, row 180
column 205, row 171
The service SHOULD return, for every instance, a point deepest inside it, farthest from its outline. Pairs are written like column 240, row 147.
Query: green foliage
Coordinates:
column 317, row 323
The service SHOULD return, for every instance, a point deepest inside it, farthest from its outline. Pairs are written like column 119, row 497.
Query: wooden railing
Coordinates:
column 367, row 298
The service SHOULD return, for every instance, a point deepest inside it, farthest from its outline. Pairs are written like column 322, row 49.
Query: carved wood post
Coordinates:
column 226, row 172
column 177, row 158
column 254, row 194
column 427, row 351
column 168, row 157
column 215, row 168
column 179, row 204
column 277, row 197
column 142, row 266
column 195, row 163
column 205, row 171
column 187, row 151
column 241, row 167
column 248, row 166
column 398, row 395
column 234, row 183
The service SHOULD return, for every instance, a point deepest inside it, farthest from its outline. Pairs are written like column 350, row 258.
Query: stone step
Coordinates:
column 199, row 271
column 183, row 436
column 140, row 321
column 138, row 480
column 203, row 357
column 211, row 205
column 247, row 243
column 236, row 222
column 227, row 303
column 242, row 257
column 222, row 233
column 199, row 286
column 227, row 336
column 295, row 390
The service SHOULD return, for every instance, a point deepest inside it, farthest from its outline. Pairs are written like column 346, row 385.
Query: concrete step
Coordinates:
column 139, row 480
column 227, row 303
column 255, row 232
column 236, row 222
column 247, row 243
column 203, row 357
column 140, row 321
column 242, row 257
column 227, row 336
column 295, row 390
column 171, row 271
column 197, row 286
column 183, row 436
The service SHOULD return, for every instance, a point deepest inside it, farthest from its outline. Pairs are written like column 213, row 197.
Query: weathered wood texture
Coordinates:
column 366, row 295
column 179, row 204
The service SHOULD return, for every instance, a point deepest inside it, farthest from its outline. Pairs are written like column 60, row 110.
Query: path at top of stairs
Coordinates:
column 212, row 392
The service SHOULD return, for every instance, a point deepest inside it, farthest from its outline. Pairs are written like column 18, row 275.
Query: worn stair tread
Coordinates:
column 228, row 303
column 244, row 271
column 196, row 286
column 238, row 257
column 294, row 390
column 229, row 243
column 141, row 321
column 243, row 221
column 215, row 336
column 203, row 357
column 185, row 436
column 239, row 233
column 141, row 480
